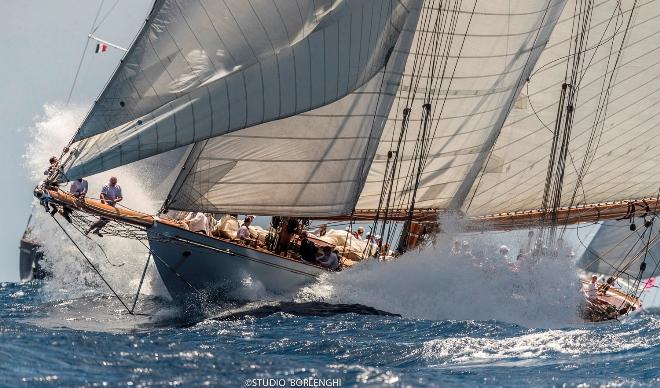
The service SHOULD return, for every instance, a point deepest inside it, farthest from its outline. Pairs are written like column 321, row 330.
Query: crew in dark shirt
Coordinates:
column 307, row 248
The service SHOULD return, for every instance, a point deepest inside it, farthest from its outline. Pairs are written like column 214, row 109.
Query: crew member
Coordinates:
column 54, row 166
column 79, row 190
column 329, row 259
column 197, row 222
column 321, row 231
column 456, row 249
column 466, row 251
column 289, row 228
column 244, row 230
column 110, row 195
column 592, row 289
column 504, row 253
column 308, row 249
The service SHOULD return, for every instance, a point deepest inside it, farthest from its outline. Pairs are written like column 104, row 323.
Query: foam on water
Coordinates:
column 72, row 276
column 359, row 349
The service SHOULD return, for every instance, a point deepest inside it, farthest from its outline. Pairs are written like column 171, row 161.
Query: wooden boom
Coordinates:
column 519, row 220
column 504, row 221
column 591, row 213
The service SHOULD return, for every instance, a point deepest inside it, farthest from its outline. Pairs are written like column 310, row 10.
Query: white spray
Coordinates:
column 120, row 260
column 433, row 284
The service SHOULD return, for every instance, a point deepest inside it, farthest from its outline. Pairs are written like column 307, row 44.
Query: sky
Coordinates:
column 42, row 44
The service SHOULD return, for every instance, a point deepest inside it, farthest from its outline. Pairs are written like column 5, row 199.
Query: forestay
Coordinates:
column 618, row 106
column 490, row 51
column 202, row 68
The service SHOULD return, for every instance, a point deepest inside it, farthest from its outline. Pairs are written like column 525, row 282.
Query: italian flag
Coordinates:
column 101, row 48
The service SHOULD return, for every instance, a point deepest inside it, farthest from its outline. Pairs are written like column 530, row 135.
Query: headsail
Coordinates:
column 200, row 69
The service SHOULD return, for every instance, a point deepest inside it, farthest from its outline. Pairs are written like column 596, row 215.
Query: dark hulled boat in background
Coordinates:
column 30, row 257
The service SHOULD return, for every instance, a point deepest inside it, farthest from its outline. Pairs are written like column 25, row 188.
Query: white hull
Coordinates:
column 188, row 262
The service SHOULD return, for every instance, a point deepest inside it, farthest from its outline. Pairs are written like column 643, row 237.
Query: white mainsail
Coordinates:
column 201, row 68
column 310, row 164
column 624, row 160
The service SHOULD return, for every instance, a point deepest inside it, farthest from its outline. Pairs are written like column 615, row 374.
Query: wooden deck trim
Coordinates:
column 95, row 207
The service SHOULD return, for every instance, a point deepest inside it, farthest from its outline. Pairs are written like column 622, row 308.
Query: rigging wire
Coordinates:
column 93, row 266
column 84, row 53
column 603, row 103
column 400, row 148
column 440, row 52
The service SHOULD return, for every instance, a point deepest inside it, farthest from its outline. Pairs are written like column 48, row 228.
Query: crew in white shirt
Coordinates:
column 79, row 188
column 592, row 289
column 197, row 222
column 244, row 230
column 110, row 195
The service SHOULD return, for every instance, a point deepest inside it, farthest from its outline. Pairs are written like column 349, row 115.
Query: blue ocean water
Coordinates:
column 88, row 341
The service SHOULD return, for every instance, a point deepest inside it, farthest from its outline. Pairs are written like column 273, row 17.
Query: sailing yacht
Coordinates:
column 509, row 114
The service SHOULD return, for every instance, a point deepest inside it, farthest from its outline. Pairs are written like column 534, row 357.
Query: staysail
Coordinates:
column 200, row 69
